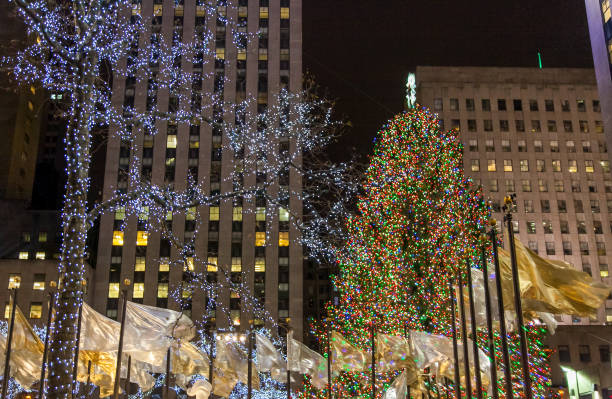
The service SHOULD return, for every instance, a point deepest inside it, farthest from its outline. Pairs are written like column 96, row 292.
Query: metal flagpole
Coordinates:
column 491, row 334
column 167, row 384
column 250, row 361
column 474, row 332
column 373, row 343
column 127, row 283
column 212, row 360
column 43, row 368
column 464, row 339
column 517, row 302
column 7, row 358
column 455, row 349
column 329, row 370
column 502, row 316
column 127, row 379
column 88, row 372
column 75, row 368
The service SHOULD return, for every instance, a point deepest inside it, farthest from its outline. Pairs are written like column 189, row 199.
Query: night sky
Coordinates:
column 361, row 51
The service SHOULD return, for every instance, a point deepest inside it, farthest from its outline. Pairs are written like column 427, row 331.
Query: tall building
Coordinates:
column 537, row 133
column 599, row 17
column 232, row 234
column 22, row 110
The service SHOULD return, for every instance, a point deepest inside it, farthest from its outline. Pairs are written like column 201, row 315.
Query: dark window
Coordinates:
column 564, row 354
column 501, row 105
column 585, row 353
column 518, row 105
column 604, row 353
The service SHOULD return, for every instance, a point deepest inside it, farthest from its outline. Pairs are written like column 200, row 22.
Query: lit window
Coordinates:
column 214, row 213
column 524, row 164
column 164, row 266
column 140, row 264
column 263, row 12
column 236, row 264
column 507, row 165
column 171, row 141
column 260, row 239
column 120, row 213
column 284, row 12
column 39, row 282
column 35, row 310
column 588, row 166
column 556, row 165
column 162, row 290
column 260, row 265
column 283, row 287
column 235, row 316
column 475, row 165
column 14, row 281
column 169, row 216
column 42, row 236
column 283, row 215
column 491, row 166
column 144, row 214
column 117, row 238
column 189, row 265
column 23, row 255
column 603, row 270
column 572, row 167
column 142, row 238
column 113, row 290
column 220, row 53
column 283, row 239
column 40, row 255
column 212, row 264
column 237, row 214
column 605, row 166
column 260, row 214
column 191, row 213
column 7, row 311
column 138, row 290
column 26, row 237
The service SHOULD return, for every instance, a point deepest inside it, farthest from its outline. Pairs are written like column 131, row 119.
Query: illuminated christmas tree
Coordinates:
column 417, row 225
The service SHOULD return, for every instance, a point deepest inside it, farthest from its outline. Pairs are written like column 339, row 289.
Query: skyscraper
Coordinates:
column 537, row 133
column 237, row 235
column 599, row 16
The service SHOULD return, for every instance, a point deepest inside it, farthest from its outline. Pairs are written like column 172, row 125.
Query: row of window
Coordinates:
column 26, row 237
column 572, row 165
column 542, row 185
column 14, row 281
column 547, row 228
column 517, row 105
column 35, row 310
column 535, row 125
column 545, row 206
column 506, row 146
column 584, row 353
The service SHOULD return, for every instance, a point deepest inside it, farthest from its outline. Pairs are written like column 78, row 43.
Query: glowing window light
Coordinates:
column 138, row 290
column 14, row 281
column 283, row 239
column 236, row 264
column 24, row 255
column 260, row 214
column 35, row 310
column 260, row 265
column 142, row 238
column 162, row 290
column 212, row 264
column 113, row 290
column 237, row 214
column 283, row 215
column 260, row 239
column 117, row 238
column 140, row 264
column 40, row 255
column 214, row 213
column 171, row 141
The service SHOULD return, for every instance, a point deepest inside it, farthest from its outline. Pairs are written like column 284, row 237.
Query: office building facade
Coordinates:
column 539, row 134
column 236, row 235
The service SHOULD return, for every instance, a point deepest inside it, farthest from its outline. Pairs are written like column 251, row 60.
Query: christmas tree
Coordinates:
column 418, row 224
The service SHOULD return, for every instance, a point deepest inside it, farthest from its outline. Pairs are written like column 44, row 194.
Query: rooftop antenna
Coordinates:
column 539, row 59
